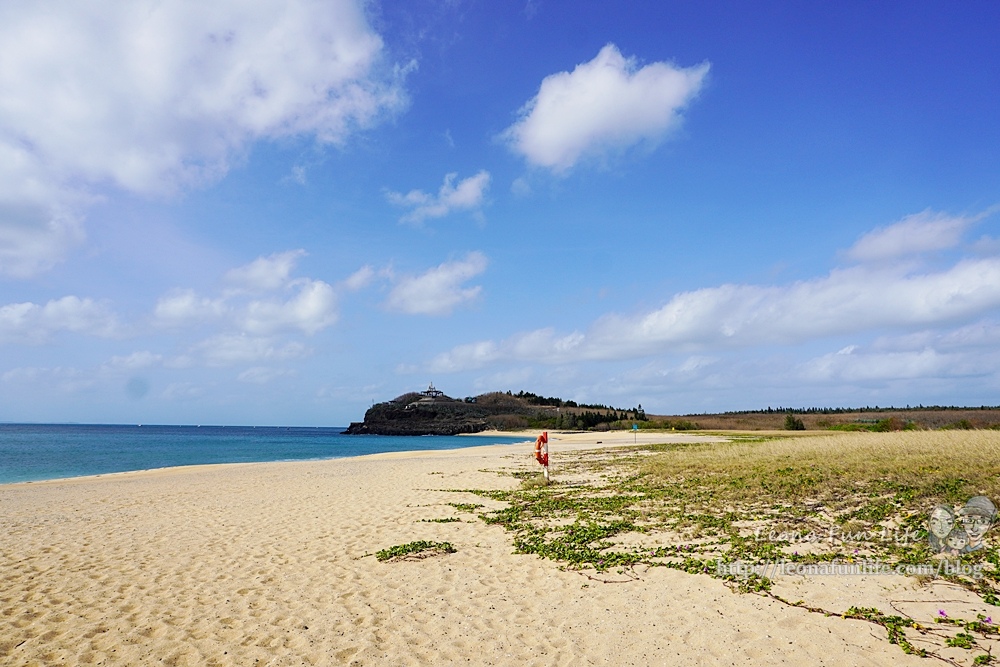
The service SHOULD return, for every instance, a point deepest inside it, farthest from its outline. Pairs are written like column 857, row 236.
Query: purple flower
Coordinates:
column 989, row 619
column 942, row 614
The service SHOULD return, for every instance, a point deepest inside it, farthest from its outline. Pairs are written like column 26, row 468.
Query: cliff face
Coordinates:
column 437, row 414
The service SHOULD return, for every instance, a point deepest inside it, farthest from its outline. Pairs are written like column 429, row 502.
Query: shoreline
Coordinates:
column 232, row 564
column 568, row 437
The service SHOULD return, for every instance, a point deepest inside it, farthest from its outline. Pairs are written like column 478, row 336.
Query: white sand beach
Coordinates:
column 272, row 564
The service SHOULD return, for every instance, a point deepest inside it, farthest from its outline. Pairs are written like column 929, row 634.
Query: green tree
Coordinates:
column 793, row 423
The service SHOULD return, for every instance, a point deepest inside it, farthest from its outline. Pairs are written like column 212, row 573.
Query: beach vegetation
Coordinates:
column 763, row 499
column 414, row 551
column 466, row 507
column 534, row 480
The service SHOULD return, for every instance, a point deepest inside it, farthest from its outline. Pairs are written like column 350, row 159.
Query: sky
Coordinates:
column 280, row 212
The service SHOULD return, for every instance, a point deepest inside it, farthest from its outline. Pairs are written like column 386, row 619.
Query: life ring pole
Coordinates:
column 542, row 453
column 545, row 455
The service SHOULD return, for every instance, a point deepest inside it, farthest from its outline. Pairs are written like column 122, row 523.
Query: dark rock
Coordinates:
column 433, row 413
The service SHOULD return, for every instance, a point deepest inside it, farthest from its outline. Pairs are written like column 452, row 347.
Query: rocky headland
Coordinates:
column 432, row 412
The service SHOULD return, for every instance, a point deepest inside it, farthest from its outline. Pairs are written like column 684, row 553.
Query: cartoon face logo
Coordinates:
column 956, row 542
column 941, row 521
column 976, row 518
column 955, row 533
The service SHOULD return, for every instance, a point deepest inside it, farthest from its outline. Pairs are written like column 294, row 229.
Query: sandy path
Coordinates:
column 266, row 564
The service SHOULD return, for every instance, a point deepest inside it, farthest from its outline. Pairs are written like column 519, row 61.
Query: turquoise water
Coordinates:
column 31, row 452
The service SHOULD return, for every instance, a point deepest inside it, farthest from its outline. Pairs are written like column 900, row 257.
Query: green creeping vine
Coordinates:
column 414, row 551
column 611, row 512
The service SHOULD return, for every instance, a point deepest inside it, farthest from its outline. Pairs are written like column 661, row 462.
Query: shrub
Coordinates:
column 793, row 423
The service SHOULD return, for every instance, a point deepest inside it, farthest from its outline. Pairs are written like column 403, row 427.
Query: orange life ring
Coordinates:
column 540, row 456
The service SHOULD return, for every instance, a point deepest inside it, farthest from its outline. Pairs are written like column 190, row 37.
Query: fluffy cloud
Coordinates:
column 846, row 301
column 152, row 96
column 467, row 195
column 34, row 323
column 359, row 279
column 38, row 223
column 605, row 105
column 265, row 300
column 266, row 273
column 439, row 290
column 309, row 311
column 918, row 233
column 966, row 351
column 255, row 317
column 183, row 307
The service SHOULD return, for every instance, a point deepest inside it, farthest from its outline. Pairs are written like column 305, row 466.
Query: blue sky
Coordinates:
column 281, row 212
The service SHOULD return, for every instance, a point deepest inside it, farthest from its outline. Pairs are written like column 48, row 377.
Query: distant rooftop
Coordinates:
column 432, row 392
column 432, row 395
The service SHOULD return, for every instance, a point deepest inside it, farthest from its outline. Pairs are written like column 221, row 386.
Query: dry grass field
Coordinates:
column 935, row 466
column 922, row 418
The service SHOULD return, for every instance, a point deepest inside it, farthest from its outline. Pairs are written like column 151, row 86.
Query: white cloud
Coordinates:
column 467, row 195
column 922, row 232
column 256, row 320
column 153, row 96
column 608, row 104
column 183, row 307
column 440, row 290
column 233, row 349
column 38, row 224
column 309, row 311
column 266, row 273
column 278, row 302
column 865, row 367
column 964, row 352
column 981, row 334
column 857, row 299
column 360, row 278
column 34, row 323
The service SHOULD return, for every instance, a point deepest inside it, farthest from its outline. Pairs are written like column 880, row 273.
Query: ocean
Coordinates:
column 32, row 452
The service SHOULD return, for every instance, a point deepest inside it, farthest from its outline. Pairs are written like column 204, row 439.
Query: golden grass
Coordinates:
column 941, row 465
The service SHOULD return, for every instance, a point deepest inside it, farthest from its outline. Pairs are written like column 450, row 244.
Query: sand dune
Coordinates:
column 271, row 564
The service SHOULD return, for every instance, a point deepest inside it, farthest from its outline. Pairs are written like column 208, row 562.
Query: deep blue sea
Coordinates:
column 31, row 452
